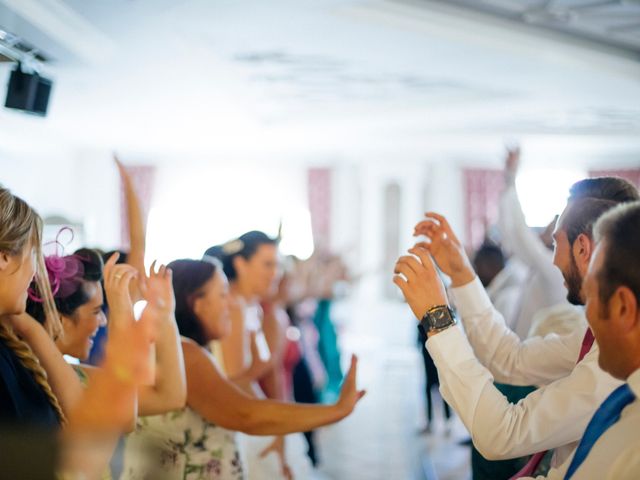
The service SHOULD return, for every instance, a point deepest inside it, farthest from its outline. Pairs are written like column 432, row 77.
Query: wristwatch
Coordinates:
column 436, row 319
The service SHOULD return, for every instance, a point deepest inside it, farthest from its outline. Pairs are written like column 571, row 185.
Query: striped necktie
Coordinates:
column 534, row 461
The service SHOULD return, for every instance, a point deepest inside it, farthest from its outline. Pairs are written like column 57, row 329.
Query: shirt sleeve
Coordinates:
column 520, row 240
column 552, row 416
column 535, row 361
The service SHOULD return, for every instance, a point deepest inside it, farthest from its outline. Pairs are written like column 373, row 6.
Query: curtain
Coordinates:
column 482, row 190
column 319, row 192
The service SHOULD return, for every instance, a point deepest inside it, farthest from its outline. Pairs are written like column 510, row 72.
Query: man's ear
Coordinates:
column 623, row 307
column 582, row 249
column 4, row 260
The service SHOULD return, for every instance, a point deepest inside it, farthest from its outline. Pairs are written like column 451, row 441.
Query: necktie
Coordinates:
column 608, row 414
column 534, row 461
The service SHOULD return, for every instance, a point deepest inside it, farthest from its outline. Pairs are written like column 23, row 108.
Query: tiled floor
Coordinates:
column 381, row 440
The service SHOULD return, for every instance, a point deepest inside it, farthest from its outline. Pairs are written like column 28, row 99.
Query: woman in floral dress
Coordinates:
column 198, row 442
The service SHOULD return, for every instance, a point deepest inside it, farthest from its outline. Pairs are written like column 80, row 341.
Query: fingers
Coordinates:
column 108, row 266
column 122, row 281
column 400, row 282
column 442, row 221
column 353, row 371
column 409, row 266
column 163, row 272
column 426, row 227
column 152, row 269
column 424, row 256
column 120, row 274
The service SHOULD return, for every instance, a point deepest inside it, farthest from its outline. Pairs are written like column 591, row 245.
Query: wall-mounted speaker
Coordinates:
column 28, row 92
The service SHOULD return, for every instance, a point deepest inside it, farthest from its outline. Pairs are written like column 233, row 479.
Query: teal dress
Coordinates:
column 328, row 349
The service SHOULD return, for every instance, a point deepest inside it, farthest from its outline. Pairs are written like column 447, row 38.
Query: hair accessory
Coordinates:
column 232, row 247
column 65, row 276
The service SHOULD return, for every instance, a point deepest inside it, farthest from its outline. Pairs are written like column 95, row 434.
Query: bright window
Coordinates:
column 543, row 193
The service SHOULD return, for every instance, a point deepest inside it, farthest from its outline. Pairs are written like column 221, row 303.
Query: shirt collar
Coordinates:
column 634, row 382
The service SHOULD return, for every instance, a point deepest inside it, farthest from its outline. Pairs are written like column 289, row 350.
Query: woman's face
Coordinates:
column 211, row 307
column 81, row 327
column 260, row 270
column 16, row 273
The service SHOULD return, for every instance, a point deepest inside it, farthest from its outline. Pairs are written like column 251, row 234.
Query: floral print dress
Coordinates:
column 181, row 445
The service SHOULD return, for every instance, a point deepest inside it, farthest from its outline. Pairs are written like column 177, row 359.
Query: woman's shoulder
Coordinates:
column 192, row 351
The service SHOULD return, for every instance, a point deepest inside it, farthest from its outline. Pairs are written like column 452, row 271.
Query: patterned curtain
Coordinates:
column 319, row 191
column 482, row 189
column 631, row 174
column 143, row 177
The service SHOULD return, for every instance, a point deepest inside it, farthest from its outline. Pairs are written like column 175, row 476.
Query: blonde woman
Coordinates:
column 28, row 394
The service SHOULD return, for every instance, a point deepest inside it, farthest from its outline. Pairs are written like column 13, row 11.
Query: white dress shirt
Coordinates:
column 554, row 416
column 616, row 454
column 545, row 285
column 562, row 319
column 505, row 291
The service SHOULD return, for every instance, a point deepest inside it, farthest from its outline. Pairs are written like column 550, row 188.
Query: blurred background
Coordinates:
column 341, row 121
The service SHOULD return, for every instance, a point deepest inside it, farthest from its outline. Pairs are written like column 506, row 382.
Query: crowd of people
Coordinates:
column 201, row 385
column 234, row 362
column 496, row 328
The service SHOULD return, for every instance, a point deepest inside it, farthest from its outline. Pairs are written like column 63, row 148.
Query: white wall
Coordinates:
column 199, row 205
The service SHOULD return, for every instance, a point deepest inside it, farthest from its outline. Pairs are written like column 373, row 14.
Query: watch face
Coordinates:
column 437, row 318
column 441, row 317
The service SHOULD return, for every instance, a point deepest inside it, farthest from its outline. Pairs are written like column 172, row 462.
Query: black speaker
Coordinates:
column 28, row 92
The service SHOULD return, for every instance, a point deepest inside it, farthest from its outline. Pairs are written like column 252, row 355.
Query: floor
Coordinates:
column 382, row 439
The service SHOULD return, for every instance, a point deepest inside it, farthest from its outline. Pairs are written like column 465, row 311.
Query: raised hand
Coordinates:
column 421, row 285
column 125, row 334
column 159, row 286
column 136, row 229
column 445, row 248
column 511, row 164
column 349, row 394
column 117, row 279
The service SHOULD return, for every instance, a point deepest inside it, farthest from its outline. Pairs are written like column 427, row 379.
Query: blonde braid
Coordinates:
column 21, row 227
column 31, row 363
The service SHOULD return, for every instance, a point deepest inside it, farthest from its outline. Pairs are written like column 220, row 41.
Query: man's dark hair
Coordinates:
column 488, row 262
column 590, row 198
column 619, row 228
column 615, row 189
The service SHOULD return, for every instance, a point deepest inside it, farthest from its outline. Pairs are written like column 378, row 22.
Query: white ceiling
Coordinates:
column 311, row 78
